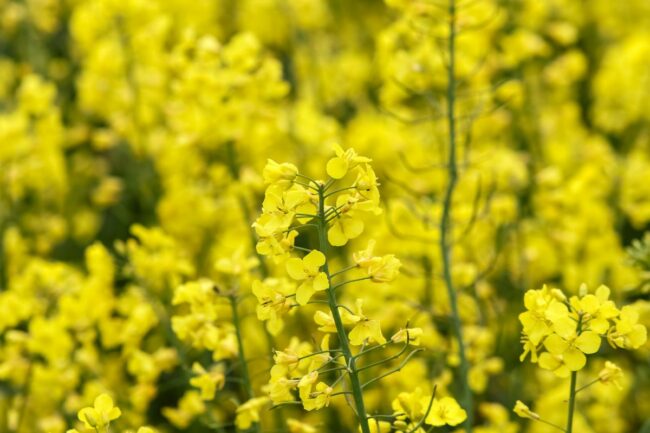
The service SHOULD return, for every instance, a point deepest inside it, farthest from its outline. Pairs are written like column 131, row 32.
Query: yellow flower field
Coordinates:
column 335, row 216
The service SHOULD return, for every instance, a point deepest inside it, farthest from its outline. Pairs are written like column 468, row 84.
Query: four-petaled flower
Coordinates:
column 445, row 411
column 101, row 414
column 308, row 272
column 344, row 160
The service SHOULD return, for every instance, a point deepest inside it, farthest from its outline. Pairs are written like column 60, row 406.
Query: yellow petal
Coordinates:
column 574, row 359
column 638, row 336
column 454, row 414
column 554, row 311
column 313, row 261
column 375, row 331
column 325, row 342
column 357, row 335
column 103, row 403
column 589, row 304
column 114, row 413
column 89, row 416
column 629, row 314
column 555, row 344
column 548, row 361
column 304, row 293
column 602, row 293
column 321, row 282
column 599, row 325
column 588, row 342
column 335, row 235
column 352, row 227
column 562, row 371
column 295, row 269
column 367, row 330
column 337, row 167
column 274, row 326
column 565, row 327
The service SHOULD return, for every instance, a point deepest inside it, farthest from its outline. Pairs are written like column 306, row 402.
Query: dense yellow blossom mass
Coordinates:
column 304, row 216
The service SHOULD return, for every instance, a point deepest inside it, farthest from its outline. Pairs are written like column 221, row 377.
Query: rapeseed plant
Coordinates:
column 448, row 159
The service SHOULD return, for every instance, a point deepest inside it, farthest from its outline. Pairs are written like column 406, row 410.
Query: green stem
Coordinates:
column 549, row 423
column 248, row 387
column 572, row 387
column 588, row 385
column 344, row 270
column 355, row 384
column 445, row 224
column 572, row 402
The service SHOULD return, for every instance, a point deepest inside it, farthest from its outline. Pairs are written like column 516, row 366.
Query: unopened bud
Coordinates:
column 583, row 291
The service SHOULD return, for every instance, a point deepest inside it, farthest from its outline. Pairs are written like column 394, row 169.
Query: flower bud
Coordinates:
column 524, row 411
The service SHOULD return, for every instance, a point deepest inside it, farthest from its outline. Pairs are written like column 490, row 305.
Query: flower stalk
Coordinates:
column 245, row 376
column 572, row 387
column 445, row 223
column 353, row 372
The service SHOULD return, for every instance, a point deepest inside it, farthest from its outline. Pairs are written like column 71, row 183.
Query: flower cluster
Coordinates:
column 559, row 332
column 445, row 157
column 334, row 208
column 98, row 417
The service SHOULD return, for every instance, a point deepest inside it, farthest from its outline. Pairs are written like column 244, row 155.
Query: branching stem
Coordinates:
column 355, row 384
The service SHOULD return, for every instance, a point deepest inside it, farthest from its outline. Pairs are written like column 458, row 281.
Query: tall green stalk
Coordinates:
column 572, row 387
column 355, row 384
column 572, row 401
column 445, row 223
column 243, row 366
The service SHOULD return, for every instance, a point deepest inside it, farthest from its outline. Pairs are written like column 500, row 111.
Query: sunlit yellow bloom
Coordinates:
column 368, row 331
column 347, row 225
column 249, row 412
column 611, row 373
column 445, row 411
column 307, row 271
column 572, row 347
column 279, row 387
column 274, row 300
column 411, row 334
column 318, row 398
column 344, row 160
column 306, row 384
column 276, row 245
column 627, row 333
column 326, row 323
column 409, row 405
column 281, row 206
column 207, row 381
column 379, row 269
column 597, row 308
column 542, row 306
column 366, row 184
column 101, row 414
column 282, row 174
